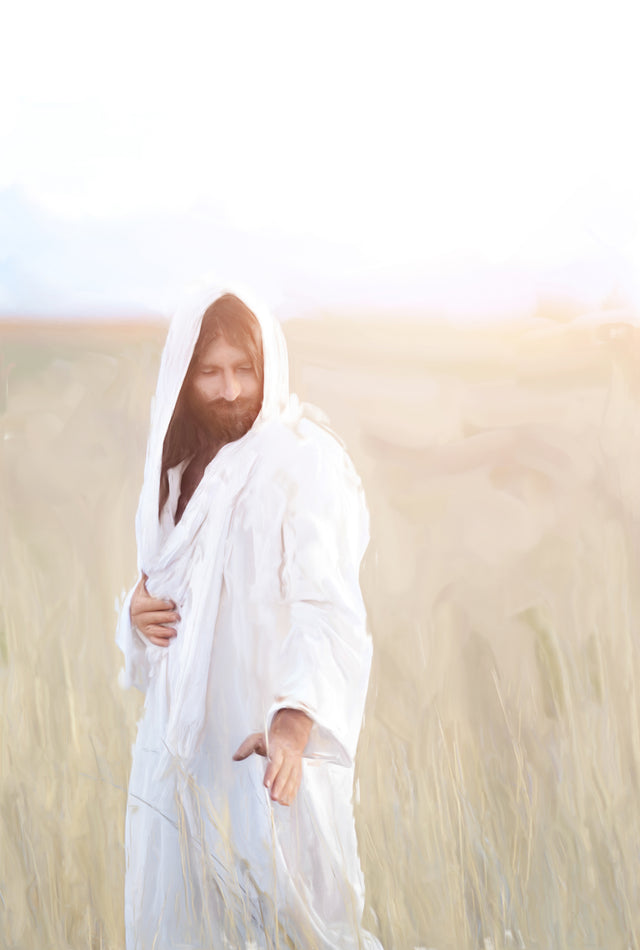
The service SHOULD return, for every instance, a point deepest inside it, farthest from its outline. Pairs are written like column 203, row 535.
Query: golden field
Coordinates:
column 499, row 767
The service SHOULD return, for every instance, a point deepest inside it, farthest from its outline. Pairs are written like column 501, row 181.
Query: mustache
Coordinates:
column 225, row 408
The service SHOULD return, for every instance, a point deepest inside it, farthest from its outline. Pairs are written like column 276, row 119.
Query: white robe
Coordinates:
column 265, row 573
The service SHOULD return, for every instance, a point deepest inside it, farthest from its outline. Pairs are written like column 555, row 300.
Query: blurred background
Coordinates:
column 441, row 203
column 471, row 159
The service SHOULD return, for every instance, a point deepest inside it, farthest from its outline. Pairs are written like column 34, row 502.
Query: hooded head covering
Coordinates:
column 176, row 357
column 185, row 562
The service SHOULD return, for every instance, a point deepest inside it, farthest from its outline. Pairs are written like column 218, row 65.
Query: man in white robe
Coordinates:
column 247, row 631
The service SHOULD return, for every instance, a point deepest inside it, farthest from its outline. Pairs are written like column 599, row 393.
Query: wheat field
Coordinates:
column 499, row 766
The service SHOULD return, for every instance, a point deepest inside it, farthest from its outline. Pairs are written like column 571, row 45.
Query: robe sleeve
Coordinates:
column 325, row 658
column 133, row 645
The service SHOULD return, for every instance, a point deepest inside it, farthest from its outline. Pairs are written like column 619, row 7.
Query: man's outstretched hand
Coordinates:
column 152, row 616
column 288, row 736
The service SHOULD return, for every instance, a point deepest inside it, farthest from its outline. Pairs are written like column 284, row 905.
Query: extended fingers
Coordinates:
column 253, row 743
column 283, row 778
column 290, row 791
column 283, row 772
column 273, row 768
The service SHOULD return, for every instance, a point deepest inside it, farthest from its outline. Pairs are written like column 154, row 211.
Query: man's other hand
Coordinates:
column 151, row 615
column 288, row 736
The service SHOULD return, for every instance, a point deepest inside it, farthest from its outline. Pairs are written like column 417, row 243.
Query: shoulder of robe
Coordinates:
column 307, row 455
column 312, row 476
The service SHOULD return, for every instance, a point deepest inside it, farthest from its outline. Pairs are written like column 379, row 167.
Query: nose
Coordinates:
column 231, row 387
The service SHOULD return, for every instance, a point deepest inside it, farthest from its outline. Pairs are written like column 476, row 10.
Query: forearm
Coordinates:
column 324, row 671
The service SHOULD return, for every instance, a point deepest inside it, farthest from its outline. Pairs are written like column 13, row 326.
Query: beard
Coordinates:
column 221, row 421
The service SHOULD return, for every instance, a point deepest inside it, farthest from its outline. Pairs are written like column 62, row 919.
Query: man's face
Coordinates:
column 225, row 393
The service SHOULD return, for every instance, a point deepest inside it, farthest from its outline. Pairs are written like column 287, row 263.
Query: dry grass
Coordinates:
column 498, row 769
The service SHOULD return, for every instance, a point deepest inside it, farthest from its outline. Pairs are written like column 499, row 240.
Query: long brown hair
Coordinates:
column 230, row 318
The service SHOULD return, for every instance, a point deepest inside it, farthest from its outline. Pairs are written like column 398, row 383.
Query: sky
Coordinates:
column 466, row 158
